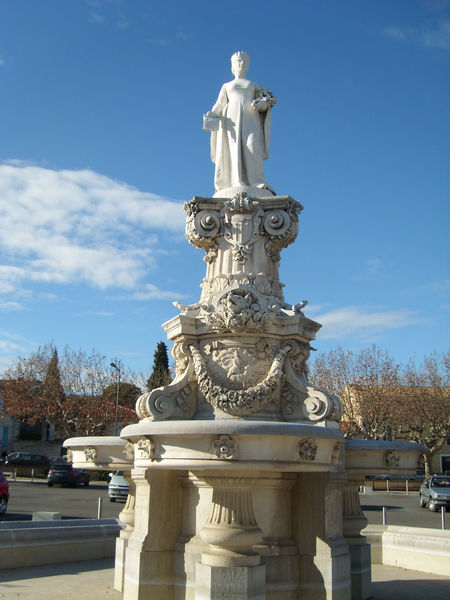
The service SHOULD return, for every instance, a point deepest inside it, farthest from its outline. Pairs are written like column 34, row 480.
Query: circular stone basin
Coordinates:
column 233, row 444
column 380, row 457
column 99, row 453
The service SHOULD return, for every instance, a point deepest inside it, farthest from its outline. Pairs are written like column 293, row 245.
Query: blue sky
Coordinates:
column 101, row 142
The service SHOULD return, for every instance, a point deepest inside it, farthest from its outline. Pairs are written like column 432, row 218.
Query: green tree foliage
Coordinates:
column 161, row 374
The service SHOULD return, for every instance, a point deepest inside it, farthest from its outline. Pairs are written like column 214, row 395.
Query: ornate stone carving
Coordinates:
column 237, row 311
column 261, row 282
column 225, row 446
column 177, row 399
column 282, row 228
column 307, row 449
column 145, row 448
column 231, row 529
column 202, row 228
column 241, row 217
column 90, row 454
column 392, row 459
column 69, row 455
column 240, row 402
column 129, row 451
column 236, row 364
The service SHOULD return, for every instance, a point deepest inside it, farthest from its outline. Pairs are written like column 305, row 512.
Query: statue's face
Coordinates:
column 239, row 65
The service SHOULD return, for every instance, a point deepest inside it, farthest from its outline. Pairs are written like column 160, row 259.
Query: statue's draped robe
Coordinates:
column 241, row 143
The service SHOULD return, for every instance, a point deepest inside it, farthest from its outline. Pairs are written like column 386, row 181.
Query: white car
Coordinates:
column 118, row 487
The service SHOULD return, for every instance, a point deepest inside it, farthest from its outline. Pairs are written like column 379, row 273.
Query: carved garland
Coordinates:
column 239, row 402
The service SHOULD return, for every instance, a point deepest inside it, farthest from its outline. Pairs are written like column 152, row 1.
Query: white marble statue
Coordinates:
column 239, row 123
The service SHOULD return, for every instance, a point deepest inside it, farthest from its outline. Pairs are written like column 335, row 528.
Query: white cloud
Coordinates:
column 357, row 322
column 150, row 292
column 11, row 305
column 78, row 227
column 436, row 35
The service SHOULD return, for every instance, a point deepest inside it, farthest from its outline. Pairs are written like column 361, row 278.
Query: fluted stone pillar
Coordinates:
column 230, row 568
column 354, row 522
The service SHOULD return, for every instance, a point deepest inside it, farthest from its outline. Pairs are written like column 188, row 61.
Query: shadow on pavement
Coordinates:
column 77, row 568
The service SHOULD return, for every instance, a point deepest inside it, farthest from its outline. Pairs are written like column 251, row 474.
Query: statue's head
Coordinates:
column 239, row 63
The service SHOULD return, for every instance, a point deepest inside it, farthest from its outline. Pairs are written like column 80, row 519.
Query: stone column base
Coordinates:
column 119, row 564
column 148, row 575
column 232, row 583
column 361, row 570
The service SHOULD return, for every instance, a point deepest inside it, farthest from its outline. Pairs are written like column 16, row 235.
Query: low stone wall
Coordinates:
column 32, row 543
column 417, row 548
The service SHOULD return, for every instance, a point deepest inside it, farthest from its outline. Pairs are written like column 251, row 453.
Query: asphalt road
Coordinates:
column 402, row 509
column 27, row 497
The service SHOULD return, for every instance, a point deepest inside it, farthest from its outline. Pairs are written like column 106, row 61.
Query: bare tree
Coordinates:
column 65, row 392
column 424, row 404
column 365, row 383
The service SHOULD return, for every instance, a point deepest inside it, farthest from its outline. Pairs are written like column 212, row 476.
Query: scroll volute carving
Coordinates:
column 202, row 228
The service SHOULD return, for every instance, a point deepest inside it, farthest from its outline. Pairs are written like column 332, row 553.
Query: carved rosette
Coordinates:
column 145, row 448
column 307, row 449
column 90, row 454
column 392, row 459
column 225, row 447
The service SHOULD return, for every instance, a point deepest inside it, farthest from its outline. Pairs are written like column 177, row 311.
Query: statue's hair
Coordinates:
column 242, row 55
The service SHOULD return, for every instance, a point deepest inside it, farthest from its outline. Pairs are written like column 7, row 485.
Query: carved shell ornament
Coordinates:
column 225, row 447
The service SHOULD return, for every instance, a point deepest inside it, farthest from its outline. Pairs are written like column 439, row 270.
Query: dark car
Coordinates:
column 64, row 474
column 25, row 459
column 4, row 493
column 435, row 492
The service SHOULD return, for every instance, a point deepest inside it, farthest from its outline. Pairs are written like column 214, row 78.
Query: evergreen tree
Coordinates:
column 160, row 375
column 53, row 392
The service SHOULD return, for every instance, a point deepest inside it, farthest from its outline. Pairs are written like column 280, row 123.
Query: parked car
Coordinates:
column 118, row 487
column 4, row 493
column 435, row 492
column 65, row 474
column 24, row 459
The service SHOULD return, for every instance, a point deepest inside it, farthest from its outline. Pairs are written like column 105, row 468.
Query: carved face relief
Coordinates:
column 238, row 367
column 307, row 449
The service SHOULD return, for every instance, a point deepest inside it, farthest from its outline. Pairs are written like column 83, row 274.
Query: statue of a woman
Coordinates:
column 239, row 123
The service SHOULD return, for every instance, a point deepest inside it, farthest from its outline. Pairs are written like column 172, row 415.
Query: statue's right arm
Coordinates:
column 219, row 106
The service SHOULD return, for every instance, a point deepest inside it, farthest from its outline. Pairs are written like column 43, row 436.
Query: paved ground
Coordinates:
column 93, row 581
column 81, row 502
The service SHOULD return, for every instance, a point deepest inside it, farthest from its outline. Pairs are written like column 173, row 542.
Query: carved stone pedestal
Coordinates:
column 126, row 517
column 324, row 557
column 230, row 568
column 354, row 522
column 149, row 562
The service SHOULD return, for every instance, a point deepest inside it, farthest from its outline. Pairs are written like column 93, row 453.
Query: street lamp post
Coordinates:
column 114, row 366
